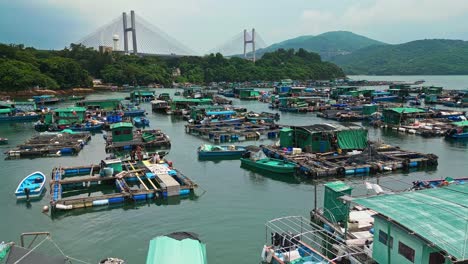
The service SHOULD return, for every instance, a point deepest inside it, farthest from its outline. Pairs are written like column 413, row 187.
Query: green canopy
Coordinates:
column 352, row 139
column 167, row 250
column 461, row 123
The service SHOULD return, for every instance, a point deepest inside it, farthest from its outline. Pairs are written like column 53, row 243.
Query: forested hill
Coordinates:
column 421, row 57
column 24, row 68
column 328, row 45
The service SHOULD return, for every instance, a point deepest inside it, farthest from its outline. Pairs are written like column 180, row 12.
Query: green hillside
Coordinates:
column 421, row 57
column 24, row 68
column 328, row 44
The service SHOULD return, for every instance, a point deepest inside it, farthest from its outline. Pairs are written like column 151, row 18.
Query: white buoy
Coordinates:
column 45, row 209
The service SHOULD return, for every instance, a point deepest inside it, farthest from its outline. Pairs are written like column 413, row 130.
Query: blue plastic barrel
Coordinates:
column 116, row 200
column 184, row 192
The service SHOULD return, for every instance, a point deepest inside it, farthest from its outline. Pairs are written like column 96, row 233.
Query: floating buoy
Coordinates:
column 45, row 209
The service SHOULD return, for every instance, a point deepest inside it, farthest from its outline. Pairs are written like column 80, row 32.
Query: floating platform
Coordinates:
column 132, row 182
column 372, row 160
column 50, row 145
column 221, row 132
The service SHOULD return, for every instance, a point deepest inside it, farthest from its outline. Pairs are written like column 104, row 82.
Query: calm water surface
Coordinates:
column 230, row 208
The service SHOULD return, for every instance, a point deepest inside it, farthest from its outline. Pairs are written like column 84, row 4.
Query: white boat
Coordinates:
column 31, row 187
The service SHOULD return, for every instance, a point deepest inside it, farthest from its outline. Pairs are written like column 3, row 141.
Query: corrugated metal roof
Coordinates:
column 70, row 109
column 438, row 215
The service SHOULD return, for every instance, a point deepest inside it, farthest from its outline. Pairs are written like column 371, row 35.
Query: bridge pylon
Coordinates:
column 132, row 29
column 249, row 41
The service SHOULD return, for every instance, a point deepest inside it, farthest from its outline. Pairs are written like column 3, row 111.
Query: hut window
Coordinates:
column 383, row 238
column 406, row 251
column 127, row 132
column 117, row 132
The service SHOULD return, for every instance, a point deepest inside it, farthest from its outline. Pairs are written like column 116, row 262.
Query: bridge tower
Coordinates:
column 131, row 29
column 247, row 41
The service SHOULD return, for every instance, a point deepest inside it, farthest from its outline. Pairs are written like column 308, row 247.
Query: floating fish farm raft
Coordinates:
column 71, row 187
column 233, row 132
column 50, row 145
column 372, row 160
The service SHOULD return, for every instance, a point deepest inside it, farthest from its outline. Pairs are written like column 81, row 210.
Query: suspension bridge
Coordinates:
column 135, row 35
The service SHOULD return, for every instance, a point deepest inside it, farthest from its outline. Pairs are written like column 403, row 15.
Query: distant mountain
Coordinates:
column 420, row 57
column 328, row 45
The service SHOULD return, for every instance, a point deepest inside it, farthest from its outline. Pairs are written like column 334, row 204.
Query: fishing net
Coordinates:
column 369, row 154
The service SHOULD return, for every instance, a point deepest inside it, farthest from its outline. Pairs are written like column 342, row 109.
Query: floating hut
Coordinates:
column 50, row 145
column 122, row 137
column 426, row 226
column 101, row 104
column 335, row 150
column 142, row 96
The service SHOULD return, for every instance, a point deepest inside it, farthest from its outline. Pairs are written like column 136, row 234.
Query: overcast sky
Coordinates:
column 205, row 24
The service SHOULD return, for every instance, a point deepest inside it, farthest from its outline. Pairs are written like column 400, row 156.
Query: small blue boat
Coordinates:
column 31, row 187
column 87, row 127
column 140, row 122
column 210, row 151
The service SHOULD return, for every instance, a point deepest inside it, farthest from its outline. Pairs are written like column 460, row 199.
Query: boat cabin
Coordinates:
column 399, row 115
column 104, row 104
column 426, row 226
column 121, row 132
column 324, row 137
column 159, row 105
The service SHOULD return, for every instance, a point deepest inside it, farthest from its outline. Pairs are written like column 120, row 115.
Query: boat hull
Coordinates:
column 30, row 118
column 271, row 165
column 221, row 153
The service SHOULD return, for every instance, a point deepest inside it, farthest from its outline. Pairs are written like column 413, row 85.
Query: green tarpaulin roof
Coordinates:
column 70, row 109
column 461, row 123
column 438, row 215
column 121, row 124
column 407, row 110
column 166, row 250
column 5, row 111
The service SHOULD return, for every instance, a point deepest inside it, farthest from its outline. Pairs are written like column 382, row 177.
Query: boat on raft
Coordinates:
column 32, row 186
column 189, row 248
column 3, row 141
column 140, row 121
column 215, row 151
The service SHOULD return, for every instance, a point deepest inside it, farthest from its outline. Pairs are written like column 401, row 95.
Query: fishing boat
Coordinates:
column 177, row 247
column 271, row 165
column 207, row 151
column 3, row 141
column 31, row 187
column 459, row 131
column 140, row 122
column 159, row 106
